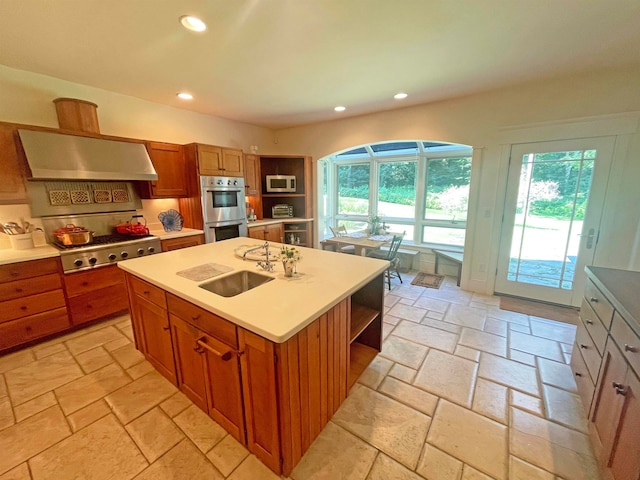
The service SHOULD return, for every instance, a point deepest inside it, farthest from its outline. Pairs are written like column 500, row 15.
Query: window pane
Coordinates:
column 447, row 195
column 397, row 189
column 443, row 235
column 353, row 189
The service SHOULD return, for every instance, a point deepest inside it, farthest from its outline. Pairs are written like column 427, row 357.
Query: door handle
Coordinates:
column 590, row 235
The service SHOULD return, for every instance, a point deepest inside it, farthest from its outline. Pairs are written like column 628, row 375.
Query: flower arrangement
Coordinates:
column 289, row 258
column 375, row 224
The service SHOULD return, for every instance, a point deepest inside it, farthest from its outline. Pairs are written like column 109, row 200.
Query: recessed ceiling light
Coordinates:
column 400, row 96
column 340, row 109
column 193, row 23
column 185, row 96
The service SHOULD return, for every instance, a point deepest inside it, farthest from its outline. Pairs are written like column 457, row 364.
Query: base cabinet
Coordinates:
column 614, row 403
column 151, row 325
column 275, row 398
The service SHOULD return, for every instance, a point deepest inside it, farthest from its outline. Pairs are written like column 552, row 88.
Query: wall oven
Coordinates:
column 223, row 208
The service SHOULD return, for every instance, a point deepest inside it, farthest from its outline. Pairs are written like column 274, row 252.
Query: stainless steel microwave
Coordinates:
column 281, row 183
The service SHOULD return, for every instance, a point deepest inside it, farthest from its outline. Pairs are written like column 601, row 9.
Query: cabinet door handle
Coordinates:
column 200, row 343
column 593, row 299
column 630, row 348
column 620, row 390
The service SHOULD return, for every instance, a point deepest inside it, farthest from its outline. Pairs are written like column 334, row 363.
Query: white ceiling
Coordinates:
column 280, row 63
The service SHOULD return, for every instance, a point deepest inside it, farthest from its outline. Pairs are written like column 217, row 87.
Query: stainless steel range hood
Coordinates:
column 70, row 157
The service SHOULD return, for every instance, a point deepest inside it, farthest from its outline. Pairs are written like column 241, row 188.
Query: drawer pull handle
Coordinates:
column 578, row 374
column 630, row 348
column 620, row 390
column 589, row 322
column 200, row 345
column 593, row 299
column 582, row 345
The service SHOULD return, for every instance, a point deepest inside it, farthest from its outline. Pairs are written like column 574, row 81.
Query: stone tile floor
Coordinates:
column 461, row 391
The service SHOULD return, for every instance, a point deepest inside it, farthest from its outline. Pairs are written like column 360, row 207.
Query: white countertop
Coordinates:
column 9, row 255
column 276, row 310
column 185, row 232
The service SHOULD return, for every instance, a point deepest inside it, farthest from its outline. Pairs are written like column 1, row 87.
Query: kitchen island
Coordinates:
column 272, row 364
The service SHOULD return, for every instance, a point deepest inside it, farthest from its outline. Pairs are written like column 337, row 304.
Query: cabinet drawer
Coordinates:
column 91, row 280
column 590, row 354
column 29, row 286
column 34, row 268
column 25, row 306
column 599, row 303
column 627, row 340
column 92, row 305
column 207, row 322
column 32, row 327
column 146, row 290
column 582, row 377
column 593, row 325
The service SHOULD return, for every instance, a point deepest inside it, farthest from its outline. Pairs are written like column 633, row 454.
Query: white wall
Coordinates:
column 486, row 122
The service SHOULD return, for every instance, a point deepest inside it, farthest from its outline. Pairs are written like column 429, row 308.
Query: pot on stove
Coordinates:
column 71, row 234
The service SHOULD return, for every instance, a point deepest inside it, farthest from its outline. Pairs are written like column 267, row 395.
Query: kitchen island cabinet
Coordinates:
column 297, row 341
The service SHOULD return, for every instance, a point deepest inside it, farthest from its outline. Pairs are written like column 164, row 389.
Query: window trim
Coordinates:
column 374, row 161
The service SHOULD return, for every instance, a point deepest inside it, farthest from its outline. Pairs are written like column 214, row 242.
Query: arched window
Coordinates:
column 419, row 187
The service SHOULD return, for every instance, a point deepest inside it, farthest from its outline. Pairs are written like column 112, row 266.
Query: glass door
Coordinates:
column 555, row 193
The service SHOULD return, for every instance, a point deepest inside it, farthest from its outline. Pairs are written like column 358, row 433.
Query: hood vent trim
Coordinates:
column 56, row 156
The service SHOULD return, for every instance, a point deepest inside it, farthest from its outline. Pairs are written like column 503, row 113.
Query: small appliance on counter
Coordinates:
column 282, row 210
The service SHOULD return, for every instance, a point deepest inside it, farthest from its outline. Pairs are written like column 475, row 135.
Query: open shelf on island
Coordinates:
column 359, row 359
column 365, row 330
column 361, row 318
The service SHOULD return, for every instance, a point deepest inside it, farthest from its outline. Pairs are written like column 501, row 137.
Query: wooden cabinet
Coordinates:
column 182, row 242
column 297, row 233
column 207, row 363
column 33, row 303
column 273, row 397
column 607, row 355
column 251, row 174
column 212, row 160
column 14, row 166
column 169, row 162
column 271, row 233
column 616, row 416
column 96, row 293
column 151, row 328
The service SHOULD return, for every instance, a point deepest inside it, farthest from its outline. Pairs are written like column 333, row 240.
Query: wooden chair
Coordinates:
column 341, row 231
column 392, row 256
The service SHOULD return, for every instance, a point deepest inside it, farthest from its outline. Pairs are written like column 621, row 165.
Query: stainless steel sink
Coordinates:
column 236, row 283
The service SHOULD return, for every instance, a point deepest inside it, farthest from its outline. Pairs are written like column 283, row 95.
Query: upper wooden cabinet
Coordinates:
column 169, row 161
column 14, row 166
column 251, row 174
column 212, row 160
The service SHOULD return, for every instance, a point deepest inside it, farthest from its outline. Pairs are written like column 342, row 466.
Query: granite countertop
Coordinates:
column 622, row 288
column 276, row 310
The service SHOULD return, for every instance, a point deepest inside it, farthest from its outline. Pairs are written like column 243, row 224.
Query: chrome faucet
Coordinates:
column 266, row 265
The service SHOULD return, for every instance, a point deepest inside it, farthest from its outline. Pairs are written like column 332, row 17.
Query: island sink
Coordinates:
column 236, row 283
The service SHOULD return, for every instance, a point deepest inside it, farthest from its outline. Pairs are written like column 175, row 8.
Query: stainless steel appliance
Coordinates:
column 282, row 210
column 106, row 247
column 280, row 183
column 223, row 208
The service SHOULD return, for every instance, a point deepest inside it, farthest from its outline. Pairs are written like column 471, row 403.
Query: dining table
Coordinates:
column 361, row 241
